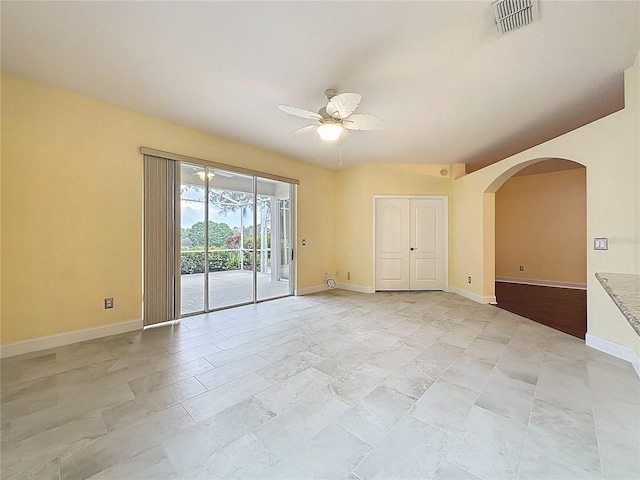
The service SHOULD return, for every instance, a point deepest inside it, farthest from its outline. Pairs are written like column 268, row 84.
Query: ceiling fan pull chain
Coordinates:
column 340, row 146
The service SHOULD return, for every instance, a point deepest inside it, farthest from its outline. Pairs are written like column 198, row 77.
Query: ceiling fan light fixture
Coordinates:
column 330, row 131
column 202, row 175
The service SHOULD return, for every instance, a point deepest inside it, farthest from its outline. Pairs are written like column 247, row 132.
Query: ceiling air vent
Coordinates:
column 512, row 14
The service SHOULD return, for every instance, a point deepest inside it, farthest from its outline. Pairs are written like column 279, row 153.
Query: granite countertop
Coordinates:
column 624, row 289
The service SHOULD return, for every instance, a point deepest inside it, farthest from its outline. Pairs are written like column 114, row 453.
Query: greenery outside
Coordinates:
column 224, row 252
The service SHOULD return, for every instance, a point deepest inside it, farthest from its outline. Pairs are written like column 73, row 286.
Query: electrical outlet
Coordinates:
column 348, row 275
column 108, row 303
column 468, row 279
column 522, row 268
column 600, row 244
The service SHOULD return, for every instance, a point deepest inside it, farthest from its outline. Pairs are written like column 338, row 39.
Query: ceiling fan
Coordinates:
column 208, row 172
column 336, row 117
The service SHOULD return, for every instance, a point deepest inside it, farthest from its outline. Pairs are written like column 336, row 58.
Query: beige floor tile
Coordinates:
column 225, row 373
column 445, row 405
column 488, row 445
column 285, row 434
column 564, row 437
column 450, row 471
column 149, row 465
column 122, row 445
column 287, row 393
column 155, row 381
column 345, row 451
column 190, row 448
column 225, row 396
column 338, row 384
column 508, row 397
column 124, row 414
column 41, row 449
column 468, row 372
column 413, row 449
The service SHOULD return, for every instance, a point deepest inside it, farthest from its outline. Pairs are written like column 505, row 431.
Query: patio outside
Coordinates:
column 226, row 288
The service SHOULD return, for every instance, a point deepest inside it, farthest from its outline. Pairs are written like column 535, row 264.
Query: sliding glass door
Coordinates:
column 236, row 235
column 192, row 238
column 274, row 239
column 231, row 207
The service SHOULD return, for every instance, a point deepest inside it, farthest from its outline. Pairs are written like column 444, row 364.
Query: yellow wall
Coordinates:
column 72, row 206
column 355, row 190
column 610, row 149
column 541, row 223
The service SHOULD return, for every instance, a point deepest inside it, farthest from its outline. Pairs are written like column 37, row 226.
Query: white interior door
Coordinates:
column 409, row 244
column 426, row 258
column 392, row 244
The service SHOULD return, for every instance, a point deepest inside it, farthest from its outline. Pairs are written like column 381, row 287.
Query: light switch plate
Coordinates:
column 600, row 244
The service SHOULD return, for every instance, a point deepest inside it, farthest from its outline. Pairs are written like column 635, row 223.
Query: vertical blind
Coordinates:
column 161, row 298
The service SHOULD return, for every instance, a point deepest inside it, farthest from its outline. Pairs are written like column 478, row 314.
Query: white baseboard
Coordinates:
column 542, row 283
column 342, row 286
column 472, row 296
column 615, row 350
column 355, row 288
column 67, row 338
column 310, row 290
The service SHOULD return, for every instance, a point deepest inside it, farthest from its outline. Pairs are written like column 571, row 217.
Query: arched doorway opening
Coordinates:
column 541, row 242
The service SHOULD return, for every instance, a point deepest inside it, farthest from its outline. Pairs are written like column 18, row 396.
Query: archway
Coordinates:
column 541, row 244
column 609, row 149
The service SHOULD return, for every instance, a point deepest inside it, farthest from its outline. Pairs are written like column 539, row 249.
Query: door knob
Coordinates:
column 412, row 249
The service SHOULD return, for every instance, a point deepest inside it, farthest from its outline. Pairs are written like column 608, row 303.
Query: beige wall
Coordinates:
column 72, row 207
column 610, row 149
column 355, row 190
column 541, row 223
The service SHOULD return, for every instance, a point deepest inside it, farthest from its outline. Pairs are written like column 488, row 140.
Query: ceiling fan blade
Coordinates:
column 299, row 112
column 306, row 129
column 343, row 105
column 363, row 121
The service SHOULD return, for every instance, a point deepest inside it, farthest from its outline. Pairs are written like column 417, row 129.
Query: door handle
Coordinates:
column 412, row 249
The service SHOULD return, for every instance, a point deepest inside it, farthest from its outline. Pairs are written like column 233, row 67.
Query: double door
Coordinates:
column 410, row 248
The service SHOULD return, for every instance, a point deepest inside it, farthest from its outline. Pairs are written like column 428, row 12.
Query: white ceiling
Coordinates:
column 449, row 86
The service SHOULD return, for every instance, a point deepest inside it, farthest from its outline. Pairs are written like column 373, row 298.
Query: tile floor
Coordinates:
column 333, row 385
